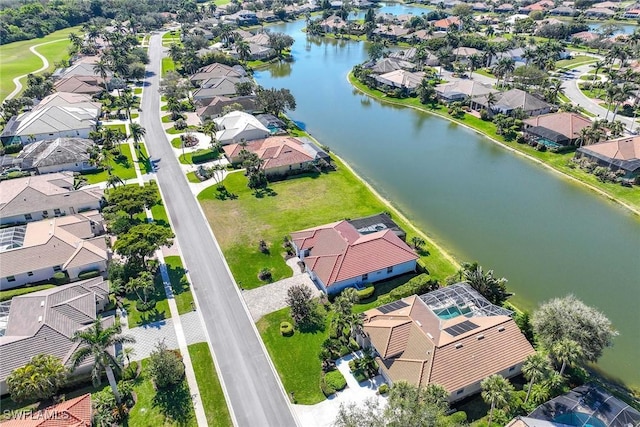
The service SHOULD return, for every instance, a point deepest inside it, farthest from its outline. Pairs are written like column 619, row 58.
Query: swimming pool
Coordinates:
column 579, row 419
column 451, row 312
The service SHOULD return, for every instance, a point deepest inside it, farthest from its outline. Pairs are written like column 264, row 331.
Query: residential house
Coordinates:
column 42, row 196
column 452, row 337
column 36, row 251
column 89, row 85
column 516, row 54
column 57, row 155
column 621, row 154
column 217, row 86
column 504, row 8
column 337, row 256
column 216, row 106
column 631, row 14
column 217, row 70
column 599, row 12
column 464, row 53
column 58, row 115
column 586, row 36
column 480, row 7
column 444, row 24
column 515, row 99
column 266, row 16
column 460, row 90
column 281, row 155
column 409, row 55
column 562, row 128
column 238, row 126
column 379, row 222
column 76, row 412
column 44, row 322
column 256, row 51
column 387, row 65
column 391, row 32
column 80, row 68
column 333, row 24
column 401, row 79
column 242, row 17
column 271, row 122
column 261, row 39
column 564, row 11
column 607, row 5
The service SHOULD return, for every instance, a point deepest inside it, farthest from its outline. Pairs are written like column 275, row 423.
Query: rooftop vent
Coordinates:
column 429, row 335
column 480, row 337
column 458, row 345
column 39, row 319
column 501, row 328
column 418, row 323
column 41, row 303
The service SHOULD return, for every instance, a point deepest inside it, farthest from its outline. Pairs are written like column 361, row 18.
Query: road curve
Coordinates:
column 253, row 389
column 45, row 65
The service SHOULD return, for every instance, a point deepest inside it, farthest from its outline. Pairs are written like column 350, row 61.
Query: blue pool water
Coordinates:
column 579, row 419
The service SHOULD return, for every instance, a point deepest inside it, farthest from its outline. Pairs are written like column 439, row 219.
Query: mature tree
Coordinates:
column 137, row 133
column 244, row 88
column 165, row 366
column 566, row 351
column 243, row 49
column 142, row 240
column 132, row 199
column 142, row 285
column 96, row 342
column 535, row 368
column 426, row 92
column 39, row 379
column 496, row 391
column 280, row 42
column 13, row 107
column 417, row 242
column 569, row 318
column 375, row 51
column 38, row 86
column 173, row 85
column 300, row 300
column 275, row 101
column 492, row 288
column 127, row 101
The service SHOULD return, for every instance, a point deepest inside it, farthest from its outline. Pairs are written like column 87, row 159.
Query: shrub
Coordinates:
column 335, row 380
column 180, row 124
column 165, row 367
column 12, row 148
column 384, row 389
column 344, row 350
column 365, row 293
column 202, row 156
column 457, row 418
column 263, row 247
column 326, row 389
column 60, row 278
column 484, row 115
column 145, row 306
column 286, row 329
column 89, row 274
column 264, row 275
column 521, row 139
column 130, row 372
column 417, row 286
column 353, row 345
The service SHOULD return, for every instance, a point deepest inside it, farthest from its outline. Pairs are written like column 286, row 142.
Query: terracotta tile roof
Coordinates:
column 275, row 151
column 338, row 252
column 416, row 346
column 447, row 22
column 564, row 123
column 627, row 148
column 71, row 413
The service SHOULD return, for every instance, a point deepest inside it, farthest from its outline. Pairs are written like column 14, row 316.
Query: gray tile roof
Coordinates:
column 59, row 151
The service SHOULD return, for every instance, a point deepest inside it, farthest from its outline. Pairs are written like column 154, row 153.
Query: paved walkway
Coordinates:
column 269, row 298
column 324, row 413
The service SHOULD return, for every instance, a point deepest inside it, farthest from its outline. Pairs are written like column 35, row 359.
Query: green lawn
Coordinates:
column 191, row 177
column 137, row 91
column 240, row 224
column 179, row 284
column 484, row 72
column 161, row 408
column 560, row 162
column 121, row 127
column 160, row 312
column 143, row 158
column 7, row 295
column 213, row 401
column 295, row 357
column 174, row 131
column 576, row 61
column 167, row 65
column 176, row 142
column 166, row 119
column 18, row 60
column 187, row 158
column 124, row 169
column 592, row 93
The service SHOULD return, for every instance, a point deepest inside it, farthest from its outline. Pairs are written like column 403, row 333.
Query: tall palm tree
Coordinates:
column 96, row 342
column 555, row 89
column 137, row 133
column 566, row 351
column 475, row 61
column 535, row 367
column 127, row 101
column 209, row 129
column 496, row 391
column 101, row 68
column 243, row 49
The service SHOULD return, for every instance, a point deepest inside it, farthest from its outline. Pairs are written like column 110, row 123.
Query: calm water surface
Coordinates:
column 548, row 236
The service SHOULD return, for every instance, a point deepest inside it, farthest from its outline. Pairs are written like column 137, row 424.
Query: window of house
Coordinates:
column 56, row 211
column 365, row 276
column 511, row 369
column 57, row 268
column 11, row 278
column 389, row 269
column 30, row 273
column 460, row 391
column 28, row 217
column 45, row 213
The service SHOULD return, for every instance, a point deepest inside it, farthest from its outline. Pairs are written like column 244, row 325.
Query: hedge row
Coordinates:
column 89, row 274
column 204, row 156
column 419, row 285
column 365, row 293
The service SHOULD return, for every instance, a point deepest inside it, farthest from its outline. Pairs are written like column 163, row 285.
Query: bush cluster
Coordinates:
column 286, row 329
column 202, row 156
column 383, row 389
column 89, row 274
column 366, row 293
column 333, row 381
column 420, row 284
column 60, row 278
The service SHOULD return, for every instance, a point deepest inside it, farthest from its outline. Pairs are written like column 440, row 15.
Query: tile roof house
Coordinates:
column 215, row 107
column 45, row 321
column 40, row 196
column 378, row 222
column 391, row 32
column 256, row 51
column 58, row 115
column 84, row 68
column 599, row 12
column 504, row 8
column 75, row 412
column 401, row 79
column 282, row 155
column 466, row 52
column 444, row 24
column 561, row 128
column 512, row 100
column 217, row 70
column 616, row 154
column 586, row 36
column 333, row 24
column 452, row 337
column 57, row 155
column 217, row 86
column 89, row 85
column 238, row 126
column 36, row 251
column 459, row 90
column 387, row 65
column 337, row 256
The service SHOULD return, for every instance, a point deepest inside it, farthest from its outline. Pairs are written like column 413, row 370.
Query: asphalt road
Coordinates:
column 254, row 390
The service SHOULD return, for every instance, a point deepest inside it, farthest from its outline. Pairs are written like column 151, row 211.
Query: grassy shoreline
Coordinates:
column 629, row 199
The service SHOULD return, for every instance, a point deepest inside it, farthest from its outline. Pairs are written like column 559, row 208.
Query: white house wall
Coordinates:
column 24, row 278
column 374, row 276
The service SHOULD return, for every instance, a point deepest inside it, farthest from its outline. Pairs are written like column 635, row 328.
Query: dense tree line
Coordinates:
column 31, row 19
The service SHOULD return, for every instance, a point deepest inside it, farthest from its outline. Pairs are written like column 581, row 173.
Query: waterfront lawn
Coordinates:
column 179, row 283
column 123, row 169
column 294, row 204
column 213, row 401
column 295, row 357
column 559, row 161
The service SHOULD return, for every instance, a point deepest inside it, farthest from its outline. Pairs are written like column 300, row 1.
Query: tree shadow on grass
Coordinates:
column 315, row 324
column 262, row 192
column 152, row 316
column 179, row 282
column 175, row 403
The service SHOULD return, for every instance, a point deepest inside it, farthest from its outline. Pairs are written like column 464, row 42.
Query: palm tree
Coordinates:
column 624, row 93
column 555, row 89
column 102, row 69
column 209, row 129
column 568, row 352
column 496, row 391
column 113, row 180
column 96, row 342
column 75, row 40
column 535, row 367
column 491, row 99
column 243, row 49
column 583, row 136
column 127, row 101
column 475, row 61
column 616, row 128
column 137, row 133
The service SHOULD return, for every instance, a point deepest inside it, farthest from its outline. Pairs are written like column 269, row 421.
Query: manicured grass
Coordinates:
column 589, row 77
column 576, row 61
column 167, row 65
column 121, row 127
column 381, row 289
column 166, row 119
column 137, row 90
column 191, row 177
column 240, row 224
column 160, row 312
column 135, row 115
column 7, row 295
column 295, row 357
column 592, row 93
column 215, row 405
column 179, row 284
column 18, row 60
column 171, row 34
column 161, row 408
column 221, row 2
column 143, row 159
column 560, row 162
column 125, row 169
column 174, row 131
column 484, row 72
column 176, row 142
